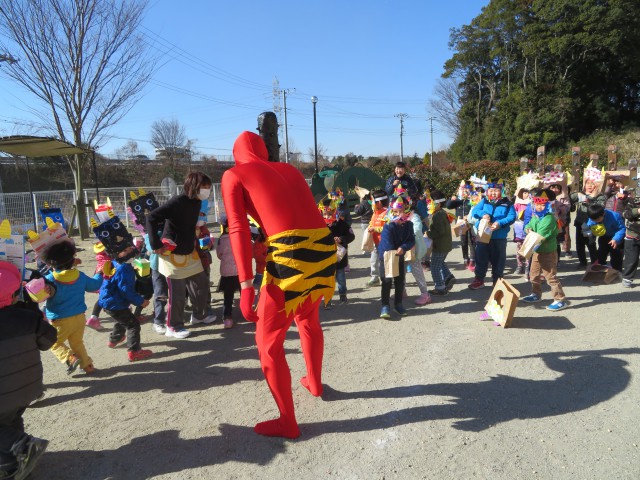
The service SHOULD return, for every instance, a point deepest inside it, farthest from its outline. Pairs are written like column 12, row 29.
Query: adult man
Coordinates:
column 300, row 268
column 400, row 178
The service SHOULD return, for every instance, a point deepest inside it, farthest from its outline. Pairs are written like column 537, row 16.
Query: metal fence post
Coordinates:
column 126, row 211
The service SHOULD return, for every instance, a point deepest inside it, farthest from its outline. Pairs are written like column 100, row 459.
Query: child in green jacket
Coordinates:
column 545, row 258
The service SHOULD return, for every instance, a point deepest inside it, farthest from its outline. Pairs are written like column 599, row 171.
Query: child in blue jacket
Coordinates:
column 609, row 228
column 66, row 308
column 501, row 215
column 397, row 237
column 117, row 294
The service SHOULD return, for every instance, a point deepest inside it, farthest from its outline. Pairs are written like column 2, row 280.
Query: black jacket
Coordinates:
column 179, row 215
column 23, row 334
column 462, row 206
column 365, row 211
column 345, row 232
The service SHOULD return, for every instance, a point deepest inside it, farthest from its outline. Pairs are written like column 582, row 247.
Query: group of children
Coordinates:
column 399, row 235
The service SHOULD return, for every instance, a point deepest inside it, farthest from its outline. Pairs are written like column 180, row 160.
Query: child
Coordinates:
column 66, row 307
column 117, row 294
column 617, row 197
column 562, row 207
column 23, row 334
column 416, row 261
column 440, row 234
column 545, row 258
column 522, row 200
column 631, row 243
column 343, row 235
column 229, row 282
column 259, row 251
column 101, row 257
column 160, row 291
column 608, row 227
column 500, row 213
column 580, row 201
column 380, row 203
column 396, row 238
column 462, row 205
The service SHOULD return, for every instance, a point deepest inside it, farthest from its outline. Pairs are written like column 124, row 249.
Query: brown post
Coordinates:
column 576, row 169
column 524, row 165
column 612, row 157
column 541, row 161
column 594, row 158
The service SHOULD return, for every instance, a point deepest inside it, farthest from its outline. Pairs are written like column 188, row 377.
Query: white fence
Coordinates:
column 19, row 207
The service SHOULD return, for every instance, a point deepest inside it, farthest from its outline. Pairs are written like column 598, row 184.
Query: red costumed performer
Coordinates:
column 300, row 268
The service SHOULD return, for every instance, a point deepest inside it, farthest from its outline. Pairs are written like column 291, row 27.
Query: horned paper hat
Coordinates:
column 102, row 210
column 41, row 242
column 115, row 237
column 139, row 207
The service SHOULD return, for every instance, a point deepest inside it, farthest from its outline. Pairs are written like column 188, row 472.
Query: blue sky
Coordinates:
column 366, row 61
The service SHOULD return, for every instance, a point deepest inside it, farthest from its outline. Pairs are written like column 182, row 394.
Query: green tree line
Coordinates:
column 544, row 72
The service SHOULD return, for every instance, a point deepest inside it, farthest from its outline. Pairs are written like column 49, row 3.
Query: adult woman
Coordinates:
column 180, row 264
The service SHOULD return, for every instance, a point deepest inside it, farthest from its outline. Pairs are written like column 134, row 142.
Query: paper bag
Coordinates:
column 410, row 255
column 600, row 274
column 367, row 242
column 502, row 303
column 341, row 252
column 460, row 228
column 484, row 231
column 391, row 264
column 531, row 241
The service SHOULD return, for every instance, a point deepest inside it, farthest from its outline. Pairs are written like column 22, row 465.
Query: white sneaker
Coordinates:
column 208, row 319
column 182, row 333
column 160, row 329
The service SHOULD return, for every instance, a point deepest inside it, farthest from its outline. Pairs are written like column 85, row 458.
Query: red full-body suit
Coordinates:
column 277, row 196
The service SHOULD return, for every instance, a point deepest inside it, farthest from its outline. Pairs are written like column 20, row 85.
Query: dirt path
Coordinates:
column 438, row 394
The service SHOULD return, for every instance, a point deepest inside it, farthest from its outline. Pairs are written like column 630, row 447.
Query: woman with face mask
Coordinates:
column 178, row 259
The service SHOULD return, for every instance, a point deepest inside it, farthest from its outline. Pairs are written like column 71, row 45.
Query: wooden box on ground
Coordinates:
column 502, row 303
column 600, row 274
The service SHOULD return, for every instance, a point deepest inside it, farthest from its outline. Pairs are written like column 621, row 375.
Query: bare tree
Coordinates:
column 169, row 138
column 446, row 103
column 128, row 151
column 84, row 61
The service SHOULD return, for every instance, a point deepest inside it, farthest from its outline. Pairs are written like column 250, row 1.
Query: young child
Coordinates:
column 23, row 334
column 545, row 259
column 580, row 202
column 617, row 197
column 462, row 205
column 229, row 282
column 521, row 202
column 562, row 207
column 343, row 235
column 500, row 213
column 117, row 294
column 380, row 204
column 440, row 234
column 101, row 257
column 631, row 242
column 66, row 307
column 259, row 251
column 608, row 227
column 160, row 291
column 396, row 238
column 416, row 262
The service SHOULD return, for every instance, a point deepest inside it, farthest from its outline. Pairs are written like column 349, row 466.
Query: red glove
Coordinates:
column 247, row 297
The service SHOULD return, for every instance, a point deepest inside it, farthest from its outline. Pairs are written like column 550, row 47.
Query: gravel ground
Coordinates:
column 438, row 394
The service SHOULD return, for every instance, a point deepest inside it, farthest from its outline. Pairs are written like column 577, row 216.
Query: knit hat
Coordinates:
column 9, row 283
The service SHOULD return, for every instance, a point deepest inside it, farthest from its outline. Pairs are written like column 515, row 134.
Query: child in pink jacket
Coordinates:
column 229, row 282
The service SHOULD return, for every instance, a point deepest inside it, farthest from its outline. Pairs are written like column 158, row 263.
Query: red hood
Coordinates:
column 249, row 148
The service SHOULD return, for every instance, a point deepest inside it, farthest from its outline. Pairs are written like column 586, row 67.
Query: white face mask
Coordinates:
column 204, row 193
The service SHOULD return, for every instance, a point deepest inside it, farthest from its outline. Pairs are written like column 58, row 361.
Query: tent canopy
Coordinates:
column 33, row 147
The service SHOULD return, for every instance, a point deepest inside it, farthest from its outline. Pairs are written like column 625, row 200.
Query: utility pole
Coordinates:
column 401, row 116
column 286, row 126
column 431, row 119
